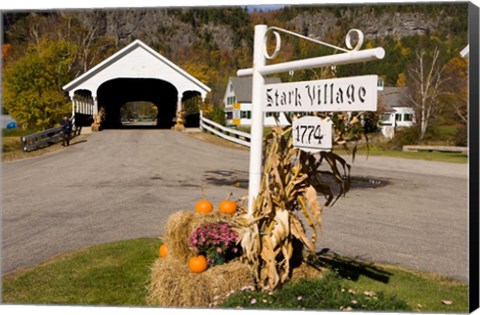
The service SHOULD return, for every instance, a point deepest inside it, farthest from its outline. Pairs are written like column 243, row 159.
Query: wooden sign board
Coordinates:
column 333, row 95
column 312, row 134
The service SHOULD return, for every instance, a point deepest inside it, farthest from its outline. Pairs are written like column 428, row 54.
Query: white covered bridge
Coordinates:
column 135, row 73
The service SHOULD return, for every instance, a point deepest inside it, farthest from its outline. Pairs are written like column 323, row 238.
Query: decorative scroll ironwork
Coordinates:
column 278, row 41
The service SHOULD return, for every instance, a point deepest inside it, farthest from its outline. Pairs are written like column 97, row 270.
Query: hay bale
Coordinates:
column 306, row 271
column 174, row 285
column 181, row 225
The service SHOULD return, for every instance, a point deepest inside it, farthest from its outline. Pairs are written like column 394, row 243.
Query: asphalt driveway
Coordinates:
column 123, row 184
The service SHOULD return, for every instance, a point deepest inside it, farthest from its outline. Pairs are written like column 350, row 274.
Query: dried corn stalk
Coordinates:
column 291, row 182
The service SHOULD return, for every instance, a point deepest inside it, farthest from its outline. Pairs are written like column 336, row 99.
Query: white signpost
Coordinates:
column 312, row 134
column 343, row 94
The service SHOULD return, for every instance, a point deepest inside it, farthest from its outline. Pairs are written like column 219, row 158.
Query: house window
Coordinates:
column 385, row 117
column 398, row 117
column 231, row 87
column 229, row 115
column 245, row 114
column 407, row 117
column 230, row 100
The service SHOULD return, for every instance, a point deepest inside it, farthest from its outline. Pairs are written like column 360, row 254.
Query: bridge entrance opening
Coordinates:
column 139, row 114
column 113, row 95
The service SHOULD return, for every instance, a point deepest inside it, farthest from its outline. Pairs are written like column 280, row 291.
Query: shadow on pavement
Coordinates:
column 227, row 178
column 81, row 141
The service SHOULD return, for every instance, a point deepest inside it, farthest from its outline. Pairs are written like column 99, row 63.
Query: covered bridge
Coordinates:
column 135, row 73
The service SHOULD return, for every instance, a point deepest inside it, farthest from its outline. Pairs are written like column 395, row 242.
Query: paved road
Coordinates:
column 123, row 184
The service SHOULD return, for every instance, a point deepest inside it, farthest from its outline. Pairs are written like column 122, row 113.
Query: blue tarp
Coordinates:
column 12, row 125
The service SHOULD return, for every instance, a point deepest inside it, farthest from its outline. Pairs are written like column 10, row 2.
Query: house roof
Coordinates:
column 121, row 54
column 393, row 97
column 243, row 87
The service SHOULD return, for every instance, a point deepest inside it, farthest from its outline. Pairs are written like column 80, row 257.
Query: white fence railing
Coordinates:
column 232, row 135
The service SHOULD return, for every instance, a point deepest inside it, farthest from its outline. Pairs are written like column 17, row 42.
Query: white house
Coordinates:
column 238, row 103
column 397, row 112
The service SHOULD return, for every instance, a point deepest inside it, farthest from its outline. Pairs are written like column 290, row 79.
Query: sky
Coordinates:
column 264, row 7
column 267, row 4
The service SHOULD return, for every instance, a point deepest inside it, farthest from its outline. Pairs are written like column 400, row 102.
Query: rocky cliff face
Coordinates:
column 159, row 28
column 163, row 29
column 398, row 25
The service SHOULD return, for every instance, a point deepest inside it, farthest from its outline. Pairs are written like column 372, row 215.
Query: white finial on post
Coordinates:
column 256, row 142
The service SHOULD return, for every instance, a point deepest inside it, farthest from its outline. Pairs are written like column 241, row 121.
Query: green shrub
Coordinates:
column 217, row 115
column 461, row 136
column 437, row 132
column 407, row 136
column 370, row 122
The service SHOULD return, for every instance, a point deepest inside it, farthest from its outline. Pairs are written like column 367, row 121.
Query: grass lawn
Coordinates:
column 118, row 274
column 374, row 151
column 109, row 274
column 450, row 157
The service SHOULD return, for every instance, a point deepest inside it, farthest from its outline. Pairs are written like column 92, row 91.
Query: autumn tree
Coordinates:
column 35, row 27
column 456, row 91
column 6, row 50
column 425, row 84
column 32, row 85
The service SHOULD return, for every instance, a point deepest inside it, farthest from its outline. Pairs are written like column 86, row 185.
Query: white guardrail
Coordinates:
column 232, row 135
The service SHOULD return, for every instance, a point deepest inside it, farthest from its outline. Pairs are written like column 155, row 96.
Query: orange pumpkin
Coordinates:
column 197, row 264
column 227, row 207
column 163, row 250
column 203, row 206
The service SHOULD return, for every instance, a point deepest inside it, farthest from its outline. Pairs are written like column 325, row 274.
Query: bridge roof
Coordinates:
column 137, row 60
